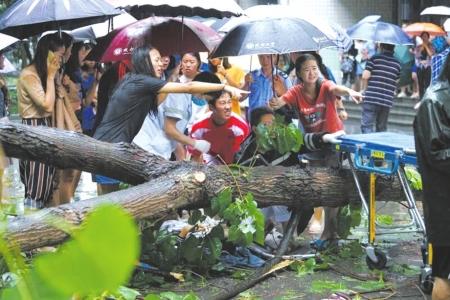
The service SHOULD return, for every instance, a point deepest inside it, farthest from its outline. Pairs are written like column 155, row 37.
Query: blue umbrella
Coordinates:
column 379, row 32
column 26, row 18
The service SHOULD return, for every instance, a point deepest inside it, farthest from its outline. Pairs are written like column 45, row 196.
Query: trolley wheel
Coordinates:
column 382, row 260
column 426, row 283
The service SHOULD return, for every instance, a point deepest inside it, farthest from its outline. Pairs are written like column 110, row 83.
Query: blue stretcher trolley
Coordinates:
column 385, row 153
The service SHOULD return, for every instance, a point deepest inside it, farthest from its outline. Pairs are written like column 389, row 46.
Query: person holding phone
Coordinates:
column 36, row 96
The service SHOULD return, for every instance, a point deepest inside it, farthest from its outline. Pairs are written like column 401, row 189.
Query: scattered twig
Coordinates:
column 350, row 274
column 421, row 292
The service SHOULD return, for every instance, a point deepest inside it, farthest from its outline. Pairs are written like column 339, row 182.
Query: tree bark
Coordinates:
column 166, row 186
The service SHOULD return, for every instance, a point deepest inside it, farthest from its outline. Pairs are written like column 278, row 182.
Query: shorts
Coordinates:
column 100, row 179
column 441, row 262
column 414, row 68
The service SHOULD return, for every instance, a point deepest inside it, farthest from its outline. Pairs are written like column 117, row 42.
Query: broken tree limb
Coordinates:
column 72, row 150
column 167, row 185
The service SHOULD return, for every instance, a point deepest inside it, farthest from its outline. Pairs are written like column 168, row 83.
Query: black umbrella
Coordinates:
column 272, row 36
column 141, row 9
column 26, row 18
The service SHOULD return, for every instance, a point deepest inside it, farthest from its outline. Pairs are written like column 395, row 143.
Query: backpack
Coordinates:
column 347, row 65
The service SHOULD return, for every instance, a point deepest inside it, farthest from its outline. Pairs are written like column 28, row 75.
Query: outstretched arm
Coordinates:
column 340, row 90
column 196, row 87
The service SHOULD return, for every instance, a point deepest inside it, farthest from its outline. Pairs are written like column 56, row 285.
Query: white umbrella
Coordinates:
column 7, row 40
column 447, row 25
column 94, row 31
column 8, row 68
column 436, row 10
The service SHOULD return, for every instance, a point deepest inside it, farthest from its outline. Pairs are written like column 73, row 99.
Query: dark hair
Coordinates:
column 425, row 32
column 258, row 113
column 226, row 64
column 310, row 56
column 140, row 59
column 67, row 39
column 445, row 72
column 210, row 78
column 73, row 65
column 387, row 47
column 49, row 42
column 194, row 54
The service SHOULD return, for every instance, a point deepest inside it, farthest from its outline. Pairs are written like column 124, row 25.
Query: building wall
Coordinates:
column 346, row 12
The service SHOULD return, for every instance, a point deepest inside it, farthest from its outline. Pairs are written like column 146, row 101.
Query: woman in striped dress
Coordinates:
column 36, row 97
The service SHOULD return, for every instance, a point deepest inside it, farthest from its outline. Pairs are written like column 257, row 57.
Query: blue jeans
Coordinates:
column 373, row 114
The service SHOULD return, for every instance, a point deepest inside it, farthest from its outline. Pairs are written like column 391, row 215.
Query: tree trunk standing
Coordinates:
column 168, row 185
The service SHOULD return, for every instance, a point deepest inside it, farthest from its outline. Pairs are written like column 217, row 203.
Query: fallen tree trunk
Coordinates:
column 174, row 184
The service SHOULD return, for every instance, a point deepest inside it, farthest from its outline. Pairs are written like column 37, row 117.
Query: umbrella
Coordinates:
column 168, row 35
column 7, row 41
column 95, row 31
column 30, row 17
column 8, row 68
column 379, row 32
column 447, row 25
column 272, row 36
column 418, row 28
column 369, row 19
column 174, row 8
column 333, row 31
column 436, row 10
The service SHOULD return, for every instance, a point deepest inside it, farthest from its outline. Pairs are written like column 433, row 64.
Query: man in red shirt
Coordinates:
column 222, row 128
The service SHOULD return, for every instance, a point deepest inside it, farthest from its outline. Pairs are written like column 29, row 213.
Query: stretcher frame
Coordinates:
column 386, row 153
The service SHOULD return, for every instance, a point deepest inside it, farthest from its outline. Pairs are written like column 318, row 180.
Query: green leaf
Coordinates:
column 191, row 296
column 100, row 256
column 371, row 285
column 189, row 249
column 39, row 289
column 215, row 246
column 279, row 137
column 320, row 286
column 127, row 293
column 217, row 232
column 195, row 217
column 220, row 203
column 170, row 296
column 233, row 233
column 413, row 177
column 152, row 297
column 385, row 219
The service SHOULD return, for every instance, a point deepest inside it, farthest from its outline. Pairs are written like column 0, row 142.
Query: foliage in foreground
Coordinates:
column 99, row 258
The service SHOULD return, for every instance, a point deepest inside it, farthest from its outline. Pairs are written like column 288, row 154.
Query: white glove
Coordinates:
column 202, row 146
column 332, row 137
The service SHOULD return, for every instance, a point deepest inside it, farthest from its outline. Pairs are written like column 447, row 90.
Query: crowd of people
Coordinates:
column 174, row 107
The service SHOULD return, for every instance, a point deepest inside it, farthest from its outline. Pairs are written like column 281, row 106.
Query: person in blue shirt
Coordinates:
column 261, row 83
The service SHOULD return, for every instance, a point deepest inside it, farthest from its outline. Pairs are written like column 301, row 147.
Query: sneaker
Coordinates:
column 401, row 95
column 415, row 96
